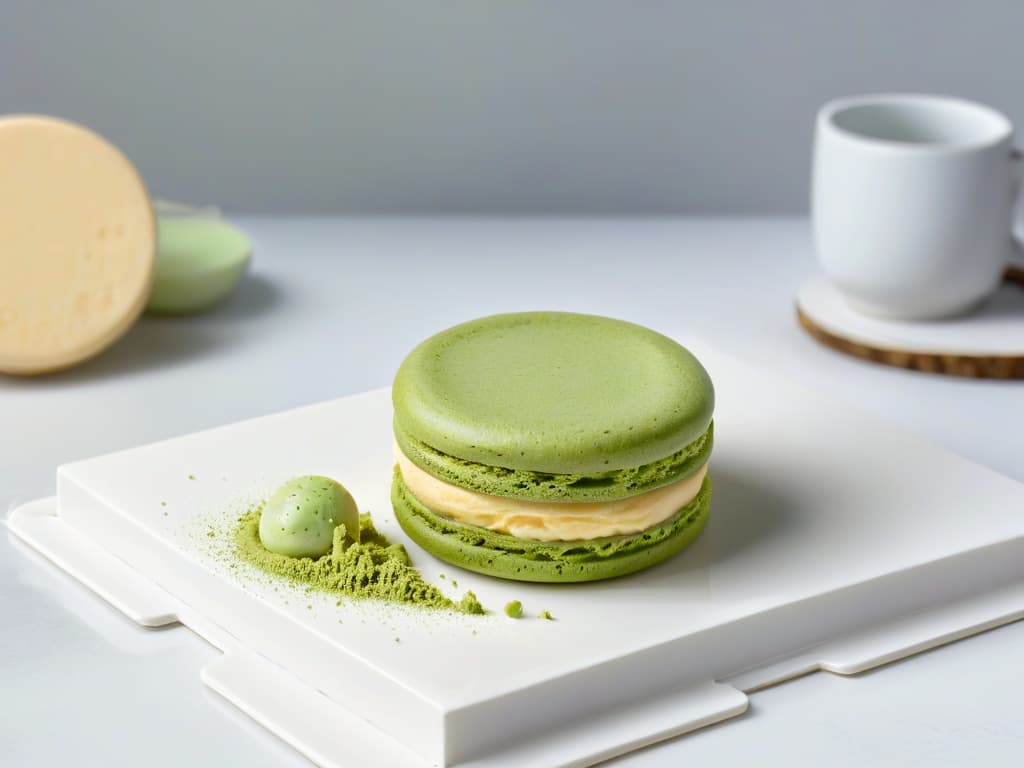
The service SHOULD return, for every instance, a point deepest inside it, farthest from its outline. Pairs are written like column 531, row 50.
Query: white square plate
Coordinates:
column 832, row 543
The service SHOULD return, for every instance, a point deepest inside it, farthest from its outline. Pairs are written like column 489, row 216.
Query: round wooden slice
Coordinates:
column 986, row 344
column 77, row 244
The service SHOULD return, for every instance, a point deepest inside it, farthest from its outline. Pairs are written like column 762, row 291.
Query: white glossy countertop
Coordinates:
column 330, row 309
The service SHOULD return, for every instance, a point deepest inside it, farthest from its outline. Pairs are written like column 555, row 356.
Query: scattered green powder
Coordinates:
column 374, row 568
column 545, row 615
column 514, row 609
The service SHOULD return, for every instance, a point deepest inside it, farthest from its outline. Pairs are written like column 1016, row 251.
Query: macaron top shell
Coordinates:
column 553, row 392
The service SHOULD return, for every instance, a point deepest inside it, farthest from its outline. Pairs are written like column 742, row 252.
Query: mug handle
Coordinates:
column 1015, row 268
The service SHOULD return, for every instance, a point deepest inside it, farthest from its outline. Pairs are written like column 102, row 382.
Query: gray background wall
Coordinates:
column 524, row 106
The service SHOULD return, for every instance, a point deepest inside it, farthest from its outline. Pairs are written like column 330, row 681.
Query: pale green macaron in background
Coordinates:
column 199, row 261
column 300, row 518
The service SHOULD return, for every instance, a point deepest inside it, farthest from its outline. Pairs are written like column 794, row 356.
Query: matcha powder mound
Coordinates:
column 374, row 568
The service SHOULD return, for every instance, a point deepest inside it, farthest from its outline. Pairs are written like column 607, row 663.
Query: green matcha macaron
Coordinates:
column 552, row 407
column 199, row 261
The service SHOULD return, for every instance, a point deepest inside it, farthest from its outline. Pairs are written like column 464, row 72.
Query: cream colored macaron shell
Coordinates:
column 77, row 244
column 549, row 521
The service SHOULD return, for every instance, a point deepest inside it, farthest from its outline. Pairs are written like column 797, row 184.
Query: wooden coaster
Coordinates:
column 1015, row 275
column 986, row 344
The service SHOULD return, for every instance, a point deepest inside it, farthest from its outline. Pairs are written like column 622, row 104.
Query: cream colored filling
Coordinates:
column 549, row 521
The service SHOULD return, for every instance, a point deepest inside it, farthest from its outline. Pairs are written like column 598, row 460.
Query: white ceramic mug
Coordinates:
column 912, row 202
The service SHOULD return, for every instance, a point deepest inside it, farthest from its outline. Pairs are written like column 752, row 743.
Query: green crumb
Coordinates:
column 455, row 583
column 545, row 615
column 165, row 514
column 372, row 568
column 441, row 576
column 474, row 631
column 398, row 639
column 514, row 609
column 469, row 604
column 163, row 503
column 191, row 477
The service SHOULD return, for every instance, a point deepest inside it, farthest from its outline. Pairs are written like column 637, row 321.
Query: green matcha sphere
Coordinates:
column 300, row 518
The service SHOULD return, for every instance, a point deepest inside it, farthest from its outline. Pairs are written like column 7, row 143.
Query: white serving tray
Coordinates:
column 833, row 543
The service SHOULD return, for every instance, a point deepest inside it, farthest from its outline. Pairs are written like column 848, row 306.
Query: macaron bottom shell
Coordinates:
column 503, row 556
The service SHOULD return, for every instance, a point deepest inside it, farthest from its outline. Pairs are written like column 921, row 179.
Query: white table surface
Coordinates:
column 330, row 309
